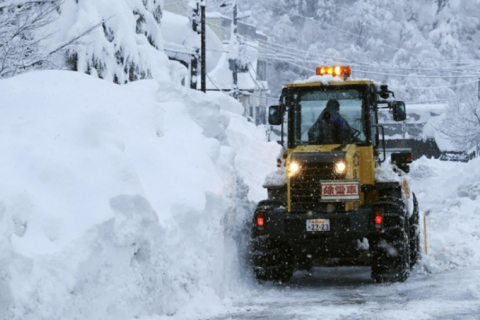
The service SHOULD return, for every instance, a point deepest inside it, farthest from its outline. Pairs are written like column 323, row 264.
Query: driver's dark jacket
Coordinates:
column 329, row 128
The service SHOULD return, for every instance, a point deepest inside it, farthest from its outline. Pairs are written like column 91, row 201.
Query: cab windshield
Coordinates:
column 329, row 116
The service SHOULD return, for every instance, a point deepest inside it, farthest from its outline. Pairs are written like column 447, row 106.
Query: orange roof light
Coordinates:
column 336, row 71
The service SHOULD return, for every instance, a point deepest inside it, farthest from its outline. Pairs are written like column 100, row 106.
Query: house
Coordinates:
column 418, row 133
column 245, row 52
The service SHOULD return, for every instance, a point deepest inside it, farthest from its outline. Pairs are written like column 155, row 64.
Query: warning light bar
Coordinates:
column 336, row 71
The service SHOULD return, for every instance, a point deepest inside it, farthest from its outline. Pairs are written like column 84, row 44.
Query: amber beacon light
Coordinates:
column 336, row 71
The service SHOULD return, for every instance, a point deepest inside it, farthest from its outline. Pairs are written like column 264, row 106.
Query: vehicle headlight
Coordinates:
column 293, row 168
column 340, row 167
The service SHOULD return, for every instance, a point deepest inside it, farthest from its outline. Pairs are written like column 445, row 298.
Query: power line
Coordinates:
column 443, row 87
column 182, row 8
column 301, row 53
column 414, row 76
column 286, row 59
column 267, row 96
column 253, row 78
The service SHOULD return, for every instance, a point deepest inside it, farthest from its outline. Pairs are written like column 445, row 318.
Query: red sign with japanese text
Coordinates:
column 344, row 190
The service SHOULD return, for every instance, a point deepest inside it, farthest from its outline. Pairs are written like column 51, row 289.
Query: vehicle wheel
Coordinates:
column 390, row 251
column 414, row 233
column 271, row 261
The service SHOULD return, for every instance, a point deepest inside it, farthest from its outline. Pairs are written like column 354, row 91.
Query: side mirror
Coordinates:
column 275, row 115
column 399, row 111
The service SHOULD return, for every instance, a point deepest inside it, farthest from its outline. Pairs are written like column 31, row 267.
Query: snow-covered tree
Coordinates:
column 127, row 47
column 424, row 49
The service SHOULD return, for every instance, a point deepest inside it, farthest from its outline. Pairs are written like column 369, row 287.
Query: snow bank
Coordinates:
column 122, row 202
column 448, row 194
column 277, row 178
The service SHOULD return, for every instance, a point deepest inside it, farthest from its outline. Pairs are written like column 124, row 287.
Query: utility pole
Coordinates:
column 233, row 46
column 235, row 64
column 478, row 89
column 197, row 17
column 203, row 54
column 194, row 70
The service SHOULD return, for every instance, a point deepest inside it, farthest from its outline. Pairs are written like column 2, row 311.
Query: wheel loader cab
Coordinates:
column 327, row 115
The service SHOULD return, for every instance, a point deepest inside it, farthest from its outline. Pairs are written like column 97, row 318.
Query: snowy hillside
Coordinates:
column 121, row 201
column 425, row 50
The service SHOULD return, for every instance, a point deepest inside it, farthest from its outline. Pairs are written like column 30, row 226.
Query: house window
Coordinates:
column 262, row 70
column 261, row 116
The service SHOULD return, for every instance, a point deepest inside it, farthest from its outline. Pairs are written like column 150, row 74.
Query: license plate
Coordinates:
column 318, row 225
column 345, row 190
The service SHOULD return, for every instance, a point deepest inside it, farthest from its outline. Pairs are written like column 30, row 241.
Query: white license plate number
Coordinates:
column 318, row 225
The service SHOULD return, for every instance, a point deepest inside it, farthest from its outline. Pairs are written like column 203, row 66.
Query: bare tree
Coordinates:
column 462, row 122
column 23, row 30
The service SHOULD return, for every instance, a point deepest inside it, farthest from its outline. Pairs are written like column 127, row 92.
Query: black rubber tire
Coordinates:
column 271, row 261
column 415, row 252
column 390, row 250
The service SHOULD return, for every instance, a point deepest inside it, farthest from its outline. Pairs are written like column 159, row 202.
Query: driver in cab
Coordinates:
column 330, row 127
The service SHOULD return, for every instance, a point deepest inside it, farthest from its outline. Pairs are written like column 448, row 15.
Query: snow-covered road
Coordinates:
column 444, row 285
column 349, row 293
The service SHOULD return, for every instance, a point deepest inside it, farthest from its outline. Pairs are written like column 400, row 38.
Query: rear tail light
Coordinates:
column 378, row 220
column 260, row 221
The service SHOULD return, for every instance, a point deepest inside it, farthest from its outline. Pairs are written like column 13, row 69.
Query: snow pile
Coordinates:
column 385, row 173
column 448, row 195
column 122, row 202
column 470, row 187
column 277, row 178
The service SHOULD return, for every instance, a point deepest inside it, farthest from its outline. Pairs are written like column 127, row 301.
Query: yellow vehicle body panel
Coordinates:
column 360, row 166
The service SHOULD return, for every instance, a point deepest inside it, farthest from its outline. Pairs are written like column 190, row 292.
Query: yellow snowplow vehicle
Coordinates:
column 334, row 205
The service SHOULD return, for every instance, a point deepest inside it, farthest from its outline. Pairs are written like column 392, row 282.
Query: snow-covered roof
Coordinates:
column 221, row 77
column 180, row 39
